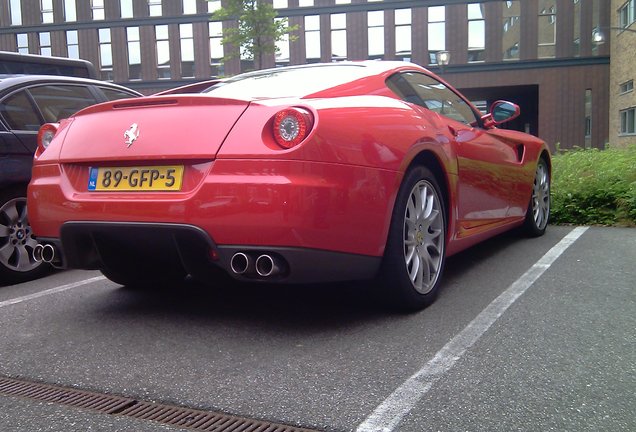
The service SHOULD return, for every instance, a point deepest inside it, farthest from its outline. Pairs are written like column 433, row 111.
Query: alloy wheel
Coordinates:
column 16, row 241
column 541, row 196
column 423, row 236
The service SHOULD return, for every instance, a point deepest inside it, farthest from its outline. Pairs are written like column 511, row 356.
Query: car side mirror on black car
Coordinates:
column 500, row 112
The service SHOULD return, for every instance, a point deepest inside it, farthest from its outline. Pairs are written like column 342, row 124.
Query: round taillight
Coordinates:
column 291, row 127
column 46, row 133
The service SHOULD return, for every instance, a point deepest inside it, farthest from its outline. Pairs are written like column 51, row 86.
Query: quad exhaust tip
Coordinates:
column 267, row 266
column 263, row 265
column 240, row 263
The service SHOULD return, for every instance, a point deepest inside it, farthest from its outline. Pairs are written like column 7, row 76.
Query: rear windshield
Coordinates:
column 288, row 82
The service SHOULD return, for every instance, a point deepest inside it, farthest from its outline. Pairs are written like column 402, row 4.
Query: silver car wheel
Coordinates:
column 423, row 236
column 16, row 242
column 541, row 196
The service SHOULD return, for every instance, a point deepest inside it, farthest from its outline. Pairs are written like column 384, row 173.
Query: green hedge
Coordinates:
column 594, row 187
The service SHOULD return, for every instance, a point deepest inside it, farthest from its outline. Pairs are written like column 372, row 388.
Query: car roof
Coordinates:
column 11, row 81
column 310, row 80
column 373, row 67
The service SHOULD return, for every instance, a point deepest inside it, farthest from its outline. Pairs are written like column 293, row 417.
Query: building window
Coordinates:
column 312, row 38
column 187, row 50
column 189, row 7
column 216, row 48
column 628, row 121
column 511, row 29
column 72, row 44
column 163, row 51
column 282, row 48
column 305, row 3
column 16, row 12
column 403, row 34
column 627, row 14
column 105, row 54
column 45, row 43
column 280, row 4
column 22, row 41
column 134, row 53
column 338, row 37
column 97, row 8
column 476, row 32
column 576, row 43
column 154, row 8
column 626, row 87
column 214, row 5
column 596, row 22
column 70, row 11
column 375, row 34
column 436, row 32
column 46, row 10
column 547, row 28
column 126, row 8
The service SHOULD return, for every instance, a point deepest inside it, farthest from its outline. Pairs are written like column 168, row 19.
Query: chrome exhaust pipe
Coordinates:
column 37, row 252
column 267, row 265
column 48, row 253
column 240, row 263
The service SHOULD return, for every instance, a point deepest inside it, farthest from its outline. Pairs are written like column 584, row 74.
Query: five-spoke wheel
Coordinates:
column 16, row 243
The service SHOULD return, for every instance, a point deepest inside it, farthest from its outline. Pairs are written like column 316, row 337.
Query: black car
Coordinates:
column 27, row 102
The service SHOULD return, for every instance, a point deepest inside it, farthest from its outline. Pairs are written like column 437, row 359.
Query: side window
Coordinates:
column 58, row 101
column 425, row 91
column 18, row 112
column 114, row 94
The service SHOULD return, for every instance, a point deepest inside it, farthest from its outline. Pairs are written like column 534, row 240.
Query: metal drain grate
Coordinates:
column 117, row 405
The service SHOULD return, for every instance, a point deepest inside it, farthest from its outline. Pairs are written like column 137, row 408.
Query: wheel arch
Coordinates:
column 430, row 160
column 545, row 155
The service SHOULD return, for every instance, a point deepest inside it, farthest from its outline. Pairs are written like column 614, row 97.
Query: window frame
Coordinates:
column 626, row 87
column 625, row 122
column 551, row 16
column 627, row 14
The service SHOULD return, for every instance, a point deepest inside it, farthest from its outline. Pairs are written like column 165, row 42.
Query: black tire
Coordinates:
column 16, row 241
column 538, row 213
column 414, row 256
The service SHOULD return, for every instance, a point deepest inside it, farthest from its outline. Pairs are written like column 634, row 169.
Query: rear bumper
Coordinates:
column 273, row 203
column 98, row 245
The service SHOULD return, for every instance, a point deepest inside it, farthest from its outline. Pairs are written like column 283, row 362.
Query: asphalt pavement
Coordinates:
column 560, row 356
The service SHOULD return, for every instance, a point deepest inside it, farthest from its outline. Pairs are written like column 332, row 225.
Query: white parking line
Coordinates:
column 50, row 291
column 388, row 415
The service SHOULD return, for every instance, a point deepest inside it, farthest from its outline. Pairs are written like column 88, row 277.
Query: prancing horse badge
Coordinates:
column 131, row 134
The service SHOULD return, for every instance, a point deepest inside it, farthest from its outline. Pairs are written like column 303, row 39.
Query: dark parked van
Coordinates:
column 15, row 63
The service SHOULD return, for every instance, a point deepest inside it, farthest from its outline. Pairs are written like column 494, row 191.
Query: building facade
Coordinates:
column 537, row 53
column 622, row 109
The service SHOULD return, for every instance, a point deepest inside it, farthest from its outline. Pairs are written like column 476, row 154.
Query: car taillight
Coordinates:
column 45, row 135
column 291, row 126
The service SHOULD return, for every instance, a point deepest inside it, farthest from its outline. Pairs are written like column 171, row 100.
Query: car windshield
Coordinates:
column 292, row 82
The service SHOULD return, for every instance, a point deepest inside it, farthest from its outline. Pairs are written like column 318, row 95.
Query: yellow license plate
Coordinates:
column 135, row 179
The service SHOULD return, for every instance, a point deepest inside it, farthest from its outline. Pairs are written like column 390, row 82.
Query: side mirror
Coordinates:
column 501, row 112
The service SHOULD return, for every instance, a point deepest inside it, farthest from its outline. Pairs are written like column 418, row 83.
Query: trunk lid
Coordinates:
column 154, row 128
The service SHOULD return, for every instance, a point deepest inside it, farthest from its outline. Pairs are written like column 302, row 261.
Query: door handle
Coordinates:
column 453, row 131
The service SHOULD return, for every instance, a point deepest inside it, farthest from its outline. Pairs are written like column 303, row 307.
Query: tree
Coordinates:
column 257, row 31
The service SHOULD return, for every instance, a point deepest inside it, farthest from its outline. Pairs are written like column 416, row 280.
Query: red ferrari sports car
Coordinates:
column 316, row 173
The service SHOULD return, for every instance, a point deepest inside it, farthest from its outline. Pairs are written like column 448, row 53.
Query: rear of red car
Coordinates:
column 194, row 184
